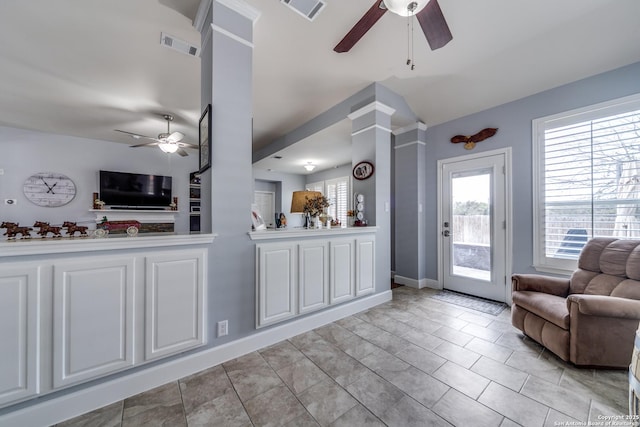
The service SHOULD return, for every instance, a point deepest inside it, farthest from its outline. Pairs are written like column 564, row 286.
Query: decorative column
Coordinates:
column 410, row 182
column 227, row 187
column 371, row 141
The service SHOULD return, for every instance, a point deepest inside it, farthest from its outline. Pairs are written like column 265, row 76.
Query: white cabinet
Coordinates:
column 19, row 332
column 92, row 318
column 313, row 276
column 276, row 282
column 294, row 278
column 342, row 270
column 365, row 265
column 70, row 319
column 174, row 303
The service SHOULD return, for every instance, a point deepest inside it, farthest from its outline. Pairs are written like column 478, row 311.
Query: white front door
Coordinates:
column 473, row 226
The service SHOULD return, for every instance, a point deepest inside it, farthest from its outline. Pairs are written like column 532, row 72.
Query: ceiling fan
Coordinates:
column 169, row 142
column 428, row 12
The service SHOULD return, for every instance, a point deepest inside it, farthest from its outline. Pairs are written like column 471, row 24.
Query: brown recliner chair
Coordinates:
column 591, row 318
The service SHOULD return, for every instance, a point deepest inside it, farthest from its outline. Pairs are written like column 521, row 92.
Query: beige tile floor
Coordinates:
column 412, row 361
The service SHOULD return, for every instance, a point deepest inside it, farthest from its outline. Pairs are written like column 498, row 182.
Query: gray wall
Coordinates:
column 260, row 185
column 286, row 184
column 26, row 152
column 227, row 70
column 514, row 123
column 408, row 183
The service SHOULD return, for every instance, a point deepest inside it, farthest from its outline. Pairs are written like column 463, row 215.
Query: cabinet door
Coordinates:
column 19, row 335
column 365, row 265
column 313, row 276
column 93, row 320
column 341, row 267
column 276, row 293
column 174, row 302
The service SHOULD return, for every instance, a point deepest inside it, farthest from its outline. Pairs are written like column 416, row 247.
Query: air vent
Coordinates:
column 171, row 42
column 307, row 8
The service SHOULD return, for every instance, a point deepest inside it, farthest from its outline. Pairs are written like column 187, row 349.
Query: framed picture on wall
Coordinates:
column 204, row 142
column 363, row 170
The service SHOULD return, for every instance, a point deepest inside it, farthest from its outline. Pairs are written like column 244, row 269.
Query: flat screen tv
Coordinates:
column 133, row 190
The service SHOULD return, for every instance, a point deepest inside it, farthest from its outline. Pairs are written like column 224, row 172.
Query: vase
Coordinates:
column 314, row 222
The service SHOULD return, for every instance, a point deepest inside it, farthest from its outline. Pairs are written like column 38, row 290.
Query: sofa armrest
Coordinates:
column 602, row 330
column 605, row 306
column 539, row 283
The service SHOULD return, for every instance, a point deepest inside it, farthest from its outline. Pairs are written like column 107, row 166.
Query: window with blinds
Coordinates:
column 337, row 191
column 588, row 182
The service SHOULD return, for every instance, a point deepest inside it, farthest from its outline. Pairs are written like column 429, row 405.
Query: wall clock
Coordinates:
column 49, row 189
column 363, row 170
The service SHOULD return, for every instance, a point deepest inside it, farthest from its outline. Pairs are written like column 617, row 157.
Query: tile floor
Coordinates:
column 412, row 361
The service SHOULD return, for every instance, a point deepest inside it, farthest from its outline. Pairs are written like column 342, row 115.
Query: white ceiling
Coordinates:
column 84, row 68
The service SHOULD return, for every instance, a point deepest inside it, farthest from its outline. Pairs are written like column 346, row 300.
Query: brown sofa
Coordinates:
column 591, row 318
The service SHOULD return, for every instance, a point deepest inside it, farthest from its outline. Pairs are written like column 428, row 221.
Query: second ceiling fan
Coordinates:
column 429, row 16
column 169, row 142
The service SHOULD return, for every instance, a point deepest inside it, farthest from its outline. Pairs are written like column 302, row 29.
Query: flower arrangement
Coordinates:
column 316, row 205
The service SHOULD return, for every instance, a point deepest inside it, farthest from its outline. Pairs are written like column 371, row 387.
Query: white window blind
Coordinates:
column 337, row 191
column 588, row 182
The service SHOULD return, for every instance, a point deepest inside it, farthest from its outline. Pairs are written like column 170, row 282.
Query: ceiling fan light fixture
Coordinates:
column 309, row 166
column 168, row 147
column 405, row 7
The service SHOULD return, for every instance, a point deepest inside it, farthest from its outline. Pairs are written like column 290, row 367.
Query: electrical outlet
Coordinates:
column 223, row 328
column 11, row 202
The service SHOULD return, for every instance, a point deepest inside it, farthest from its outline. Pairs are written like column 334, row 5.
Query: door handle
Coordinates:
column 446, row 233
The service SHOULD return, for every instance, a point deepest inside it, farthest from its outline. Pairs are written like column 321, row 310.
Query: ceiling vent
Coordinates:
column 307, row 8
column 171, row 42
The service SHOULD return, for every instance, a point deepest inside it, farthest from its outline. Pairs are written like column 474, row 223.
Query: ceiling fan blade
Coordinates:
column 187, row 145
column 362, row 26
column 181, row 152
column 434, row 25
column 175, row 137
column 135, row 135
column 146, row 144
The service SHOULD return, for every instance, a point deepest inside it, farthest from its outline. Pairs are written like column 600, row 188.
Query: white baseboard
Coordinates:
column 415, row 283
column 70, row 405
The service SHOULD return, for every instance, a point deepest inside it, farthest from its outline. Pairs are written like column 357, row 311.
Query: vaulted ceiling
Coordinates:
column 85, row 68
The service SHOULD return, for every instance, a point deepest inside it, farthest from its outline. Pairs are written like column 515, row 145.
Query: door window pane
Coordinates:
column 471, row 228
